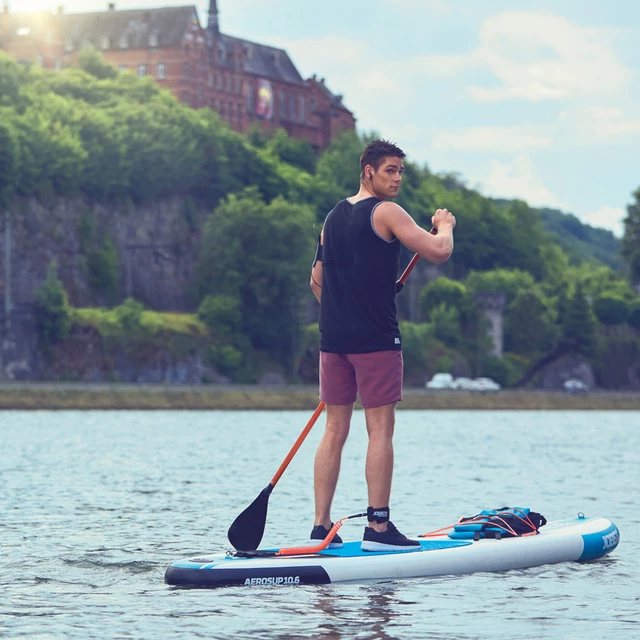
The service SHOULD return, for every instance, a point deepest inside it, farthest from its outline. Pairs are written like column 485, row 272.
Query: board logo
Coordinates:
column 277, row 580
column 610, row 540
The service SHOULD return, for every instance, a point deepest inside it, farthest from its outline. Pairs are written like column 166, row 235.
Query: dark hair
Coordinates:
column 375, row 152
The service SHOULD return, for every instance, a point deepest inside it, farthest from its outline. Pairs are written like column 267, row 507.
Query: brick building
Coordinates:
column 244, row 81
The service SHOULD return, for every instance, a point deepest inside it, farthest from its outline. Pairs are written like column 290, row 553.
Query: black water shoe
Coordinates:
column 389, row 540
column 319, row 533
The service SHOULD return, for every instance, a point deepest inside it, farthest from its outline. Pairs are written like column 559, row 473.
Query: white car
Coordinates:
column 440, row 381
column 465, row 384
column 575, row 386
column 486, row 384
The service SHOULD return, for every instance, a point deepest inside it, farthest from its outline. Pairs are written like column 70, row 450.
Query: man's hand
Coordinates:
column 443, row 217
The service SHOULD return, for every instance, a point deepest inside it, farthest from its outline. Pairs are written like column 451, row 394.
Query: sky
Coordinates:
column 530, row 99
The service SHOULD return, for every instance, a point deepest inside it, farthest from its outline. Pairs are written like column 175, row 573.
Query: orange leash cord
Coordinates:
column 299, row 551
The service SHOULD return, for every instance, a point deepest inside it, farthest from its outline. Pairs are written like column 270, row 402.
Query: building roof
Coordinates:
column 166, row 27
column 262, row 60
column 335, row 99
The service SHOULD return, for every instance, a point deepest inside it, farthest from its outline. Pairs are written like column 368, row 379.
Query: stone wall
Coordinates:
column 157, row 248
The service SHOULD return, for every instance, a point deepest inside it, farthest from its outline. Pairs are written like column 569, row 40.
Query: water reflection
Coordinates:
column 366, row 613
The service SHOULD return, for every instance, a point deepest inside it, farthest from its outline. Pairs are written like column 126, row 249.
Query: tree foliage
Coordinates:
column 247, row 254
column 611, row 309
column 53, row 313
column 631, row 238
column 579, row 326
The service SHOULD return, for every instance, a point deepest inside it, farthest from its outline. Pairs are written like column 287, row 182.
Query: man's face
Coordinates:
column 387, row 179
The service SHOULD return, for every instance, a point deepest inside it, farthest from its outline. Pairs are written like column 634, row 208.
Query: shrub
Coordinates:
column 221, row 313
column 611, row 309
column 129, row 314
column 53, row 313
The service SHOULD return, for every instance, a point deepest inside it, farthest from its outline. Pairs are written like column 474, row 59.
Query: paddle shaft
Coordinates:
column 320, row 407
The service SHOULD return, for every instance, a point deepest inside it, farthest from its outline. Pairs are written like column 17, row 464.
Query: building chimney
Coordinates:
column 112, row 6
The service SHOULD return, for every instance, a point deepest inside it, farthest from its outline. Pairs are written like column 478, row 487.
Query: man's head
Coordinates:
column 381, row 168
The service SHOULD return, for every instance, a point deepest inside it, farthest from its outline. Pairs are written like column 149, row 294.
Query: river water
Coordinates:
column 96, row 505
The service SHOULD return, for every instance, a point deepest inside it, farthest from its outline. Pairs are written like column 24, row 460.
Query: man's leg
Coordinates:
column 327, row 462
column 379, row 466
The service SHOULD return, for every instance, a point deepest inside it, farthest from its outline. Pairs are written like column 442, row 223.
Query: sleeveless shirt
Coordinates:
column 359, row 271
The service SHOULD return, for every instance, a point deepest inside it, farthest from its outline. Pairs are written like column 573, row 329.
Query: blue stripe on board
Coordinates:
column 352, row 549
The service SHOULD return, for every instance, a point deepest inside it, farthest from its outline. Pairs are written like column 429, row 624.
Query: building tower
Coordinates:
column 213, row 24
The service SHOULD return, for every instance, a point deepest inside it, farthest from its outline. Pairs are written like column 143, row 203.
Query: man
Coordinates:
column 354, row 279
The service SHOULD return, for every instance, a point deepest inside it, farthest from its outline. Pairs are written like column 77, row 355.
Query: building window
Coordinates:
column 39, row 60
column 105, row 43
column 249, row 98
column 282, row 105
column 238, row 85
column 124, row 42
column 161, row 71
column 211, row 79
column 292, row 107
column 153, row 40
column 229, row 85
column 58, row 64
column 313, row 105
column 142, row 70
column 219, row 81
column 122, row 67
column 301, row 108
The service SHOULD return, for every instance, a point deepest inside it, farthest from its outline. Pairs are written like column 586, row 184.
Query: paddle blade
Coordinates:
column 247, row 529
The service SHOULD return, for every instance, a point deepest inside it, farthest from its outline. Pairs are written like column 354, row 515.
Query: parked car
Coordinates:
column 486, row 384
column 575, row 386
column 465, row 384
column 440, row 381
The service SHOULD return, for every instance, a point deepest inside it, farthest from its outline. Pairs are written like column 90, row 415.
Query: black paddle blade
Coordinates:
column 247, row 529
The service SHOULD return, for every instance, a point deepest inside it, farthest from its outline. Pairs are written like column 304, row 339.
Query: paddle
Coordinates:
column 247, row 529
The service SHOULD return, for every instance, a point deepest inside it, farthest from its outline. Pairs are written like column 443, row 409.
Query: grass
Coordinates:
column 44, row 396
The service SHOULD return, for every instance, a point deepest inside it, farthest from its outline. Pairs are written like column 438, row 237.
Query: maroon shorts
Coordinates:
column 376, row 376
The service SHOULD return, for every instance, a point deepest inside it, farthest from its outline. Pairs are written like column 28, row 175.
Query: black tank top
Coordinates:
column 359, row 271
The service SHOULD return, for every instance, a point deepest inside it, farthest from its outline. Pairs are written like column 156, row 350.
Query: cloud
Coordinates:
column 597, row 124
column 519, row 179
column 538, row 56
column 514, row 139
column 608, row 218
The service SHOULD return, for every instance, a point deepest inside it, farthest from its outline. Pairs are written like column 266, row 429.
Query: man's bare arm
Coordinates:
column 392, row 221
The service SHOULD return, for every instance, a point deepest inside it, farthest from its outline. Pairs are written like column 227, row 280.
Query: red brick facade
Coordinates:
column 245, row 82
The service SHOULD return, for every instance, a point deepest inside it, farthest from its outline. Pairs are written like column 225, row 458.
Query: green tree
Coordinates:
column 260, row 253
column 631, row 239
column 444, row 291
column 92, row 62
column 221, row 313
column 446, row 325
column 295, row 151
column 579, row 326
column 129, row 315
column 634, row 314
column 8, row 165
column 611, row 309
column 103, row 269
column 53, row 313
column 529, row 326
column 507, row 281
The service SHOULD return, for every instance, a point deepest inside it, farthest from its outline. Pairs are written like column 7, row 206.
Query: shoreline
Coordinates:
column 38, row 396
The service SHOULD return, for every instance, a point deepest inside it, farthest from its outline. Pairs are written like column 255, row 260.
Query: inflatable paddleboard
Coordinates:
column 579, row 539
